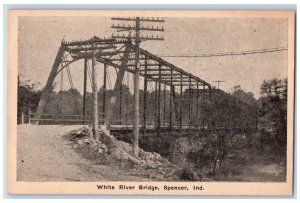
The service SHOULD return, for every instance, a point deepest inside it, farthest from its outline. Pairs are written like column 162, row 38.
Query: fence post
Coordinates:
column 29, row 113
column 22, row 117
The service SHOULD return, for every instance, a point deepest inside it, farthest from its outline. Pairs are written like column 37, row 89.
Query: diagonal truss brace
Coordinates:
column 49, row 84
column 116, row 92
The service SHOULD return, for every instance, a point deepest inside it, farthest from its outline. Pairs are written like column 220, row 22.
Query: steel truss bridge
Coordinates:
column 120, row 54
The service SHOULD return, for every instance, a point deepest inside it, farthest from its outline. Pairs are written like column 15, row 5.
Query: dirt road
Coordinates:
column 43, row 154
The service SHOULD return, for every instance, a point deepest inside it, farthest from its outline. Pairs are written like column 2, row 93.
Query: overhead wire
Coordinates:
column 258, row 51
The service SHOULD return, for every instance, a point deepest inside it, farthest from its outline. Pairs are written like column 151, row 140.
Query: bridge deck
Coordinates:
column 150, row 127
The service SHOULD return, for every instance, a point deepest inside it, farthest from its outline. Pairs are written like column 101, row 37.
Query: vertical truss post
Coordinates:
column 48, row 87
column 165, row 94
column 120, row 104
column 180, row 110
column 104, row 91
column 95, row 98
column 197, row 104
column 203, row 121
column 127, row 103
column 210, row 97
column 190, row 90
column 145, row 96
column 158, row 99
column 29, row 112
column 22, row 116
column 116, row 92
column 175, row 101
column 84, row 90
column 155, row 105
column 171, row 97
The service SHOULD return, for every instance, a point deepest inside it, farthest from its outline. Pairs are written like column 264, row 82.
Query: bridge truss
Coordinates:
column 120, row 54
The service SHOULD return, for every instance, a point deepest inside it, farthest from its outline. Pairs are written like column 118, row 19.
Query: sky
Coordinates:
column 40, row 38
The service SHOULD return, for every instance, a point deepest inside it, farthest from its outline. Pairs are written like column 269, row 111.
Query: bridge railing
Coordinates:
column 75, row 119
column 48, row 119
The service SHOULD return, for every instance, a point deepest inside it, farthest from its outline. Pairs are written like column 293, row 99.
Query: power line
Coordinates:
column 259, row 51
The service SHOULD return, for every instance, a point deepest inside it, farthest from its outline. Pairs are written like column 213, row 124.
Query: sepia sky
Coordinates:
column 40, row 38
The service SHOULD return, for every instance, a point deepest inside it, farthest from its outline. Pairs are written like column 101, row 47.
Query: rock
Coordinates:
column 90, row 132
column 116, row 153
column 108, row 146
column 122, row 155
column 80, row 142
column 78, row 133
column 94, row 146
column 152, row 164
column 142, row 162
column 157, row 157
column 170, row 178
column 150, row 157
column 88, row 141
column 156, row 176
column 102, row 146
column 141, row 153
column 100, row 151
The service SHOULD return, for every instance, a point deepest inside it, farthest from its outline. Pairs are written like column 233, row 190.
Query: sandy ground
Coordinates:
column 43, row 154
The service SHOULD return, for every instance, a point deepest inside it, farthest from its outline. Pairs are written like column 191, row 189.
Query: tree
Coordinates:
column 28, row 98
column 247, row 98
column 67, row 102
column 273, row 109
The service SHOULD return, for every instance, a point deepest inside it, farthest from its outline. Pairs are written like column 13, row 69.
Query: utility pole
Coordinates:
column 95, row 98
column 219, row 81
column 137, row 27
column 145, row 97
column 136, row 96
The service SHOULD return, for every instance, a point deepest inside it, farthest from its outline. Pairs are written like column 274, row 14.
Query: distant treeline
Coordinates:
column 217, row 109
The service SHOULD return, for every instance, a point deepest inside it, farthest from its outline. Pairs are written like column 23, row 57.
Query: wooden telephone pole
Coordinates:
column 137, row 28
column 219, row 81
column 95, row 98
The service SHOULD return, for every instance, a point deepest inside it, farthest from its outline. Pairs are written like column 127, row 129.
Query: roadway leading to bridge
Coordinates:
column 44, row 154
